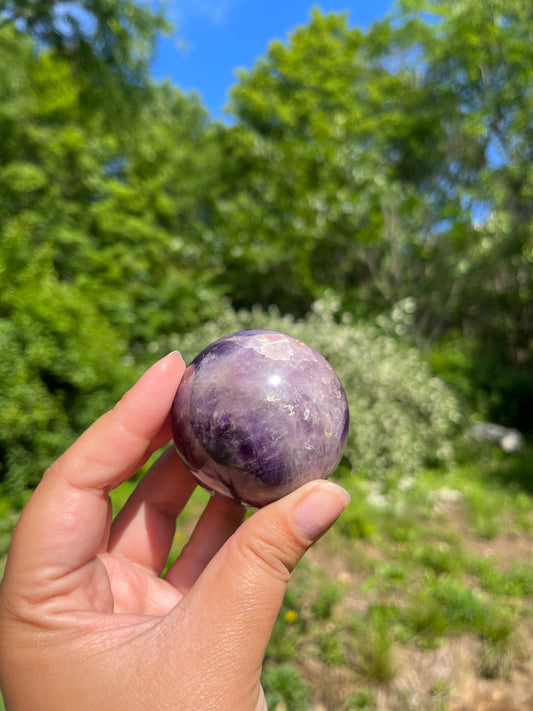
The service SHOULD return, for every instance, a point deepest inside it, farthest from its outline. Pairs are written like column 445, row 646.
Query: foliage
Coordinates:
column 329, row 595
column 480, row 55
column 102, row 250
column 405, row 602
column 108, row 45
column 398, row 156
column 61, row 367
column 362, row 701
column 373, row 195
column 283, row 683
column 404, row 598
column 390, row 166
column 303, row 211
column 126, row 226
column 153, row 257
column 402, row 417
column 380, row 169
column 376, row 657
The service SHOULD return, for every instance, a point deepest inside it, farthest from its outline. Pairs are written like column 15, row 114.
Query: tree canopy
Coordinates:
column 108, row 45
column 392, row 165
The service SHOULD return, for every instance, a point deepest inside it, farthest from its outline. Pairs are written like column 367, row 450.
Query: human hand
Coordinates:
column 86, row 620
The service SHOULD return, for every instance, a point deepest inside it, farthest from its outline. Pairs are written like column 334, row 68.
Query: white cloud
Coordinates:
column 215, row 12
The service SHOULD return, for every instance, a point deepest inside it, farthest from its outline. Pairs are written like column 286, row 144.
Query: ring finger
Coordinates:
column 143, row 530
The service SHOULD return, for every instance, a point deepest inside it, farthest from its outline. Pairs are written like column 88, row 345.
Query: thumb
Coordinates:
column 240, row 592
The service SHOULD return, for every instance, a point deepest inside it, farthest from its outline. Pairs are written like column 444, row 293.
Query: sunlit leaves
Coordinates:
column 104, row 247
column 107, row 43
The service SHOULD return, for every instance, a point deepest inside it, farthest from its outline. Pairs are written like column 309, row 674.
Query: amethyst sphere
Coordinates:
column 257, row 414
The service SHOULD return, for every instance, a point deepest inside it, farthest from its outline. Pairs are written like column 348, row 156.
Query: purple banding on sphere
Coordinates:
column 257, row 414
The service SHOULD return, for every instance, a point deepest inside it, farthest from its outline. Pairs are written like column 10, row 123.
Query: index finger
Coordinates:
column 66, row 522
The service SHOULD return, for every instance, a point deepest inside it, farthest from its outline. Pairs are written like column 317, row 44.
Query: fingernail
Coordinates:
column 178, row 354
column 315, row 513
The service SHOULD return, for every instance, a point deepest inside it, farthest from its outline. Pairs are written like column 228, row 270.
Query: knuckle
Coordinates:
column 275, row 554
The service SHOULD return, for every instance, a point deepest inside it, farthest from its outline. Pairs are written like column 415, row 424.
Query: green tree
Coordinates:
column 129, row 225
column 300, row 182
column 154, row 249
column 395, row 168
column 479, row 56
column 107, row 43
column 321, row 192
column 103, row 249
column 56, row 350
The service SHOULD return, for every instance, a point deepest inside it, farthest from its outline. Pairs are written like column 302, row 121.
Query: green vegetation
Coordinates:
column 397, row 597
column 404, row 573
column 379, row 175
column 406, row 418
column 283, row 683
column 373, row 195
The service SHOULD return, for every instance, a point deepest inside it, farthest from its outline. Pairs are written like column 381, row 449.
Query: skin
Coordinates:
column 86, row 620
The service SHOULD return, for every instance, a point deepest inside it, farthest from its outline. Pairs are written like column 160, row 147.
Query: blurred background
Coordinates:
column 357, row 174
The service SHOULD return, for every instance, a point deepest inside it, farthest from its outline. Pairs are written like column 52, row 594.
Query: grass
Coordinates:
column 375, row 653
column 412, row 567
column 363, row 700
column 447, row 557
column 283, row 684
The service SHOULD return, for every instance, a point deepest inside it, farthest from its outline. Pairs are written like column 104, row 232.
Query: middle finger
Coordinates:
column 144, row 529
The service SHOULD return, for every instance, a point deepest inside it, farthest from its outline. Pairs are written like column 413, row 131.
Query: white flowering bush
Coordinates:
column 401, row 417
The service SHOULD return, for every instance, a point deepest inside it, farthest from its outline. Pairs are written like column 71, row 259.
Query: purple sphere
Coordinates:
column 258, row 414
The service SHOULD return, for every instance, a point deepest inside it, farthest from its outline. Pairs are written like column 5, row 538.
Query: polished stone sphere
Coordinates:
column 257, row 414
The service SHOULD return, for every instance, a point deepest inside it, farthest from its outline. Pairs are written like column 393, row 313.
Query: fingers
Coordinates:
column 143, row 530
column 236, row 600
column 65, row 522
column 217, row 523
column 120, row 441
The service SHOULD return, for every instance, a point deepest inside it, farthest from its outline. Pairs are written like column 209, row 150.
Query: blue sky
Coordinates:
column 215, row 37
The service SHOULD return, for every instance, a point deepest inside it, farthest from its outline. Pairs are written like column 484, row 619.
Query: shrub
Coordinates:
column 402, row 417
column 60, row 367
